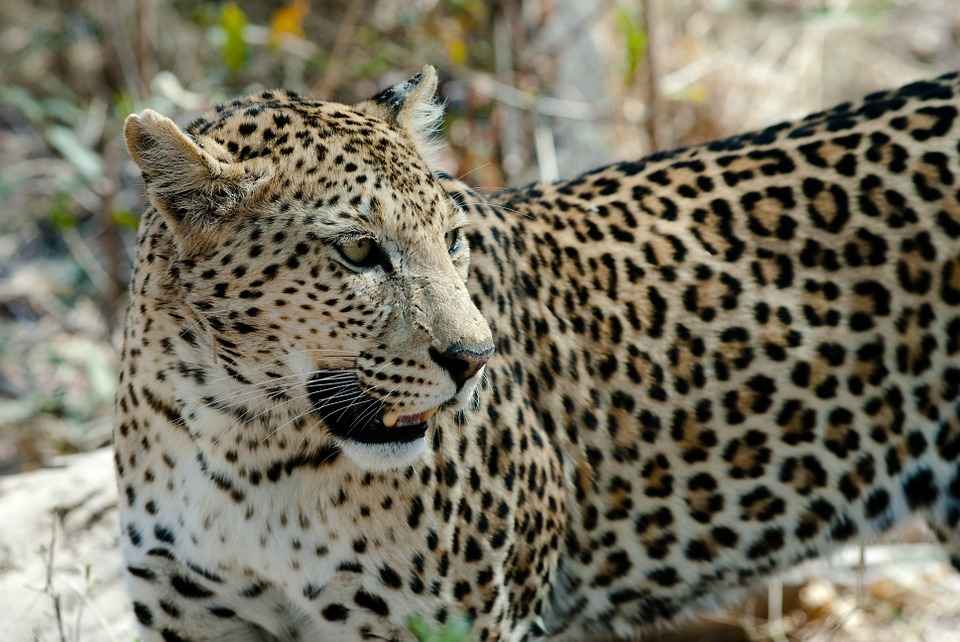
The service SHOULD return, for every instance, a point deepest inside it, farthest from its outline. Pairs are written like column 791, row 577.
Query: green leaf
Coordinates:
column 125, row 218
column 374, row 65
column 39, row 111
column 65, row 141
column 62, row 109
column 123, row 104
column 635, row 43
column 61, row 216
column 457, row 629
column 20, row 99
column 419, row 627
column 233, row 21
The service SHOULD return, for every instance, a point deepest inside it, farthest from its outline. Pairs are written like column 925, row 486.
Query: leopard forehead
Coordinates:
column 325, row 155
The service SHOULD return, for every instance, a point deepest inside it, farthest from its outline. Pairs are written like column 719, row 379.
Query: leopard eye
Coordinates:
column 454, row 240
column 359, row 252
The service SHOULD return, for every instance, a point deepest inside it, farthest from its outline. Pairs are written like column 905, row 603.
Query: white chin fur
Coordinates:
column 380, row 457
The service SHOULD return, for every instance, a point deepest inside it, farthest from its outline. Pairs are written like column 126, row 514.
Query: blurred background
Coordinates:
column 535, row 90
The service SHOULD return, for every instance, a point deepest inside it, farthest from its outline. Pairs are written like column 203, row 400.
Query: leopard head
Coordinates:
column 318, row 265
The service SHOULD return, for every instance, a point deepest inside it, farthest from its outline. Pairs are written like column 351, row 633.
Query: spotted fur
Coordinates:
column 710, row 364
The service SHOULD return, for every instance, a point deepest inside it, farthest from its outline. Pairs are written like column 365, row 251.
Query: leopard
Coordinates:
column 357, row 393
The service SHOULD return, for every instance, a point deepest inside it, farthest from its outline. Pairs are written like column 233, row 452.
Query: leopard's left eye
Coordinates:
column 360, row 253
column 454, row 240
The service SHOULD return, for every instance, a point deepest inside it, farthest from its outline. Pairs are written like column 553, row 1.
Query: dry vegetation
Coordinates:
column 535, row 89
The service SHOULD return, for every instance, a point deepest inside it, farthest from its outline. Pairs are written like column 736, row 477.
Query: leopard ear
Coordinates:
column 413, row 106
column 187, row 184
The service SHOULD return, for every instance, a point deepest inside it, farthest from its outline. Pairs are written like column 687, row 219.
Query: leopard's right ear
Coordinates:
column 158, row 146
column 192, row 188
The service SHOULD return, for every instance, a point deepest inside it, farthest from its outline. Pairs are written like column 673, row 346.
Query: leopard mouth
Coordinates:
column 352, row 415
column 393, row 418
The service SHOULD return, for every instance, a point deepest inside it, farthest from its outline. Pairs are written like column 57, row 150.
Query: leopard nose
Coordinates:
column 462, row 362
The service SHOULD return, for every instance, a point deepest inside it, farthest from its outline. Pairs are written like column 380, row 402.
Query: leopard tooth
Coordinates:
column 390, row 418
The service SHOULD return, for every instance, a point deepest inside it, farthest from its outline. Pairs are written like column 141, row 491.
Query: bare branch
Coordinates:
column 348, row 26
column 650, row 65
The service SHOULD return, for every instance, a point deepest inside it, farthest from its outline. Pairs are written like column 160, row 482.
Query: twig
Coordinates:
column 348, row 25
column 546, row 153
column 486, row 85
column 144, row 20
column 122, row 53
column 775, row 627
column 650, row 65
column 511, row 134
column 861, row 573
column 110, row 242
column 86, row 603
column 87, row 259
column 48, row 588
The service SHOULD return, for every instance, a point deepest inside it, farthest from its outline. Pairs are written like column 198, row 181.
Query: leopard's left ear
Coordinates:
column 413, row 106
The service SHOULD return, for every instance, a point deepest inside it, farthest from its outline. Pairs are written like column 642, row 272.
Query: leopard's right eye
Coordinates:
column 360, row 253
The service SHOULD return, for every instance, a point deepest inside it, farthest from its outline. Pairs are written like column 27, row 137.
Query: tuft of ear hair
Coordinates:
column 413, row 106
column 187, row 184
